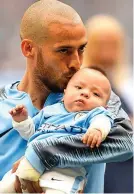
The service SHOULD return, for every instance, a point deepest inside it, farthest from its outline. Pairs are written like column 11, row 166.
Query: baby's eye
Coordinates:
column 78, row 87
column 96, row 94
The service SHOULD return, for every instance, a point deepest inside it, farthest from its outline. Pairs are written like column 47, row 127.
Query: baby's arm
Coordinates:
column 26, row 126
column 98, row 130
column 22, row 122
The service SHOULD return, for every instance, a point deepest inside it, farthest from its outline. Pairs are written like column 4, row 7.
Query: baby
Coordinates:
column 82, row 110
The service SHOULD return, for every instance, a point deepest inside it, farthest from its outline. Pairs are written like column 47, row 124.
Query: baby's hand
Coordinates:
column 19, row 113
column 93, row 137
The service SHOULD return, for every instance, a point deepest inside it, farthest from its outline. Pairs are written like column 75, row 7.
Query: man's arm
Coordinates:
column 69, row 151
column 114, row 106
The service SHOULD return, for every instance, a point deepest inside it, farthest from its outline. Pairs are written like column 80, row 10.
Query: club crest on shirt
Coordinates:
column 78, row 115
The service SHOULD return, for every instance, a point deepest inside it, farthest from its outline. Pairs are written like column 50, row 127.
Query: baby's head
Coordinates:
column 87, row 89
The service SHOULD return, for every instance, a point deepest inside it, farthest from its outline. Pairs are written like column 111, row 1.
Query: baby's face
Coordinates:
column 86, row 90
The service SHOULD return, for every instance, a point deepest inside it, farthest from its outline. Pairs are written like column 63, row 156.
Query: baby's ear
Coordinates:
column 62, row 100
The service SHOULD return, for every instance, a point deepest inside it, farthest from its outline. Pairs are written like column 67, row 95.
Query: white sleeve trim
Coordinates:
column 102, row 123
column 25, row 128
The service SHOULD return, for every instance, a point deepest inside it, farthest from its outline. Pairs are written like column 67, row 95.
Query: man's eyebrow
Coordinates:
column 83, row 45
column 69, row 47
column 63, row 47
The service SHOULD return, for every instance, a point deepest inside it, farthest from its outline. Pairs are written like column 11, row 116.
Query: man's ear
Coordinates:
column 28, row 48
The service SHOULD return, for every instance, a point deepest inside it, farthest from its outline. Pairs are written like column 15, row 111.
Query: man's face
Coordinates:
column 86, row 90
column 61, row 55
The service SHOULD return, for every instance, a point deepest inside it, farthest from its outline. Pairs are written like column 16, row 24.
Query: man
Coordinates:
column 53, row 40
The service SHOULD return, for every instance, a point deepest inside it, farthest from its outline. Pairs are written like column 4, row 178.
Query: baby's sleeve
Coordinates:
column 28, row 127
column 25, row 128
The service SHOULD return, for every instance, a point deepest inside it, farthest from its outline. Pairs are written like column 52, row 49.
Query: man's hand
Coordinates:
column 27, row 186
column 93, row 137
column 31, row 187
column 16, row 164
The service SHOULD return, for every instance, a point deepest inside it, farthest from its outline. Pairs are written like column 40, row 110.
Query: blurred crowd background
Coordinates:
column 12, row 62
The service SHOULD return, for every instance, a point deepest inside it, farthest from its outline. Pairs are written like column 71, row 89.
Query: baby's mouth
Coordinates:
column 81, row 101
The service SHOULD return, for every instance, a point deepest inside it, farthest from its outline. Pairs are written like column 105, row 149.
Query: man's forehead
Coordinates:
column 70, row 44
column 67, row 32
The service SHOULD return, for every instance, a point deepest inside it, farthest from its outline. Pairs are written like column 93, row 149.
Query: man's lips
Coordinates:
column 69, row 76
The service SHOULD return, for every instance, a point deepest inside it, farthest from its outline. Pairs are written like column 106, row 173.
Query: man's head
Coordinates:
column 53, row 40
column 88, row 88
column 105, row 42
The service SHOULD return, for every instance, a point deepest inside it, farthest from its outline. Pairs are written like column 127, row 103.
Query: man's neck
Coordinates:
column 37, row 91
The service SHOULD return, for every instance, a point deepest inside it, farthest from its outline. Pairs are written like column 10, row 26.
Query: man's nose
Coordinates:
column 75, row 62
